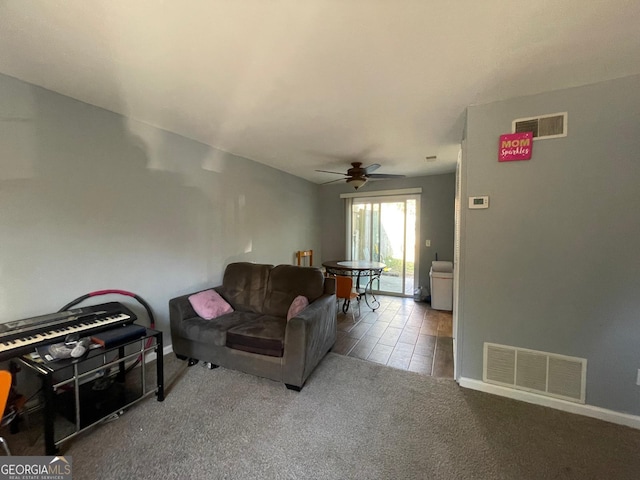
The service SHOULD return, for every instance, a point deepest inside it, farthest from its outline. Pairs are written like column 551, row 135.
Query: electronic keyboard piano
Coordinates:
column 23, row 336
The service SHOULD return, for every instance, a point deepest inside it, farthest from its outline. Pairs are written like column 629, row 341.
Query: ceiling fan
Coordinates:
column 357, row 176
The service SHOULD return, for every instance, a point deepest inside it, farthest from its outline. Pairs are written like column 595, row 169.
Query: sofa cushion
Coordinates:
column 286, row 282
column 264, row 335
column 244, row 285
column 215, row 333
column 299, row 303
column 208, row 304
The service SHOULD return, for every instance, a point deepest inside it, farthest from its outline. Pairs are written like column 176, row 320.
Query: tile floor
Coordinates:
column 401, row 333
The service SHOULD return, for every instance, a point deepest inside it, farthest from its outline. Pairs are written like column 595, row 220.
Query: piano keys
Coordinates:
column 23, row 336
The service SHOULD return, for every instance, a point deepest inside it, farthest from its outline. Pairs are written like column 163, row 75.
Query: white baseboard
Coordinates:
column 166, row 350
column 612, row 416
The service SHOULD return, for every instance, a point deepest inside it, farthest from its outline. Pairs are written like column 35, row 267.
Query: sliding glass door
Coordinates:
column 383, row 229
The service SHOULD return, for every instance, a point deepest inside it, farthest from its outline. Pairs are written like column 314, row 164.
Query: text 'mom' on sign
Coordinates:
column 515, row 146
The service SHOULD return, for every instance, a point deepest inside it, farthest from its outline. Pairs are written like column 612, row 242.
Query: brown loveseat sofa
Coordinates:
column 256, row 337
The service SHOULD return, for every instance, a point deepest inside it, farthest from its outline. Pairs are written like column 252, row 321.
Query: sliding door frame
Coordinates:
column 382, row 196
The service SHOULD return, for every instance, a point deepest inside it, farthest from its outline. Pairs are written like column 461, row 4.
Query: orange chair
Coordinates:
column 5, row 388
column 344, row 291
column 305, row 254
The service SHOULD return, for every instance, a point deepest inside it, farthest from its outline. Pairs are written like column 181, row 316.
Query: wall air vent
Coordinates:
column 548, row 374
column 544, row 126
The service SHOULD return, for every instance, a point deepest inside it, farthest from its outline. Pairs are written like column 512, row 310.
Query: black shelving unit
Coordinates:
column 79, row 393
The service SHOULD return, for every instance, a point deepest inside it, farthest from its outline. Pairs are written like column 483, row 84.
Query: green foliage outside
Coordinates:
column 394, row 266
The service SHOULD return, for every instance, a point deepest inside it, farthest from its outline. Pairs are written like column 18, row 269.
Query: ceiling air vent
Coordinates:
column 544, row 373
column 544, row 126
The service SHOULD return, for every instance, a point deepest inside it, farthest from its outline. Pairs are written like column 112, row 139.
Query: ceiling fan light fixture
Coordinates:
column 356, row 182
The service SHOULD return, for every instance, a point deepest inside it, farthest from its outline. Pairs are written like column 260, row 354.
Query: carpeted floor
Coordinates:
column 353, row 420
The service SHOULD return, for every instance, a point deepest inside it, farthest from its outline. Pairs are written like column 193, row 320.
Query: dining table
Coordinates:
column 358, row 269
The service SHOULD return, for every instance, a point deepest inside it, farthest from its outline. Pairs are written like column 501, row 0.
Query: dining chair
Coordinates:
column 301, row 254
column 344, row 291
column 5, row 388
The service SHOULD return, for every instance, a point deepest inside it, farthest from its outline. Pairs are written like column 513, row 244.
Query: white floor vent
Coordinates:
column 543, row 126
column 545, row 373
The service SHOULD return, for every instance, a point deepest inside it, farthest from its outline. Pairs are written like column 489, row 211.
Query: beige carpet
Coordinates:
column 353, row 420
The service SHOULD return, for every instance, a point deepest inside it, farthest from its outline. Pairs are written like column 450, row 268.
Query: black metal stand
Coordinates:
column 368, row 289
column 110, row 402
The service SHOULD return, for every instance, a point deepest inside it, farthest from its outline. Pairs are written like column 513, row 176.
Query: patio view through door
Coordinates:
column 383, row 229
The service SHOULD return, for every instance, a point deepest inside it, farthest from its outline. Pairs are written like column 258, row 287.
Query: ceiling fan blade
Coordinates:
column 327, row 171
column 384, row 175
column 333, row 181
column 371, row 168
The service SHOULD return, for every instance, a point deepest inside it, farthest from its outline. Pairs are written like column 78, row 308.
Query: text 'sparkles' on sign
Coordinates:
column 515, row 146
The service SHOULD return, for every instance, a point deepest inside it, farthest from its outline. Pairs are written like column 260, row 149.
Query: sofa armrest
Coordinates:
column 330, row 285
column 179, row 310
column 308, row 337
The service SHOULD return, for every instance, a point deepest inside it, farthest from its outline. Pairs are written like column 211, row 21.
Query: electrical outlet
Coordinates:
column 427, row 243
column 638, row 378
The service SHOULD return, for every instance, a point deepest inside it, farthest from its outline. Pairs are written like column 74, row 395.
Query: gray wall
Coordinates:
column 90, row 200
column 436, row 217
column 554, row 263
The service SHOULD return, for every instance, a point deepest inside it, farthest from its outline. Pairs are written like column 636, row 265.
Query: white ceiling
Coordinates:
column 314, row 84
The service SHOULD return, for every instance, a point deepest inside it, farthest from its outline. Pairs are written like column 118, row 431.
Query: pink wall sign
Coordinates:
column 515, row 146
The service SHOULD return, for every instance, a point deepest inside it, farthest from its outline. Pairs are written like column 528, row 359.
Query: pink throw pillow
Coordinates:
column 209, row 304
column 299, row 303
